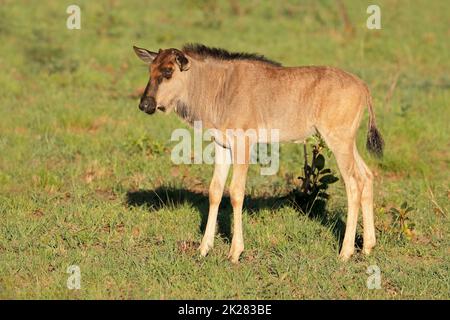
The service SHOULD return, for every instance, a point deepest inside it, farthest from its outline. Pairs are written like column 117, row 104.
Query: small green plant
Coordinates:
column 402, row 225
column 312, row 194
column 146, row 146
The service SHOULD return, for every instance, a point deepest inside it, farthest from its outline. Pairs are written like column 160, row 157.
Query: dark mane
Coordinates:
column 222, row 54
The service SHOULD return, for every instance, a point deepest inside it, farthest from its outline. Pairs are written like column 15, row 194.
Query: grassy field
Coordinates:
column 86, row 178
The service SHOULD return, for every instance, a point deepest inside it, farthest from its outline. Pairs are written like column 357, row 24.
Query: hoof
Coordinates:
column 368, row 250
column 345, row 255
column 204, row 248
column 235, row 253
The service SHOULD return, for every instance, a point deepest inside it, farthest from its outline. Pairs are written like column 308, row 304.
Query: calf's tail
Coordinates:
column 375, row 143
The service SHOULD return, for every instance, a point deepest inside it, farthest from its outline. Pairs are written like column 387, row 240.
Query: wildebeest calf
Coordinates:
column 246, row 91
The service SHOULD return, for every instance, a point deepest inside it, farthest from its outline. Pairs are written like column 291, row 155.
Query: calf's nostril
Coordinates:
column 143, row 105
column 147, row 104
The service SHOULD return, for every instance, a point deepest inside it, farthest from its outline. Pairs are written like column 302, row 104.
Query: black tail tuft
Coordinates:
column 375, row 143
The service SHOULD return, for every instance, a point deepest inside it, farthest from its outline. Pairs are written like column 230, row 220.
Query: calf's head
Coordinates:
column 167, row 82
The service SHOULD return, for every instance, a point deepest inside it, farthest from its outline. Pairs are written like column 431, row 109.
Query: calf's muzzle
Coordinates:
column 147, row 104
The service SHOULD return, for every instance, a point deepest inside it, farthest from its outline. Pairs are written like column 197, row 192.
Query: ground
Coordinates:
column 86, row 178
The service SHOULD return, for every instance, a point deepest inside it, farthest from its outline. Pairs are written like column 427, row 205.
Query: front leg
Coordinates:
column 237, row 193
column 221, row 168
column 241, row 155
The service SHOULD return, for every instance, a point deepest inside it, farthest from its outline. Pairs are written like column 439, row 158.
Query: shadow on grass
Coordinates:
column 164, row 197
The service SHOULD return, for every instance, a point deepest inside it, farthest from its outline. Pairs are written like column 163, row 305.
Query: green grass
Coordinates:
column 80, row 164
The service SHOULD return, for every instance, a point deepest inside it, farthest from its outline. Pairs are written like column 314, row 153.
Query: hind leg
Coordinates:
column 343, row 148
column 367, row 205
column 353, row 186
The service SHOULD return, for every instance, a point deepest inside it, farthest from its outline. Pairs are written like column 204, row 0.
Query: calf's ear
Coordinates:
column 182, row 61
column 144, row 54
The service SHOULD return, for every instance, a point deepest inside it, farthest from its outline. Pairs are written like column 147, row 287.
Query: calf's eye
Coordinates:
column 167, row 73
